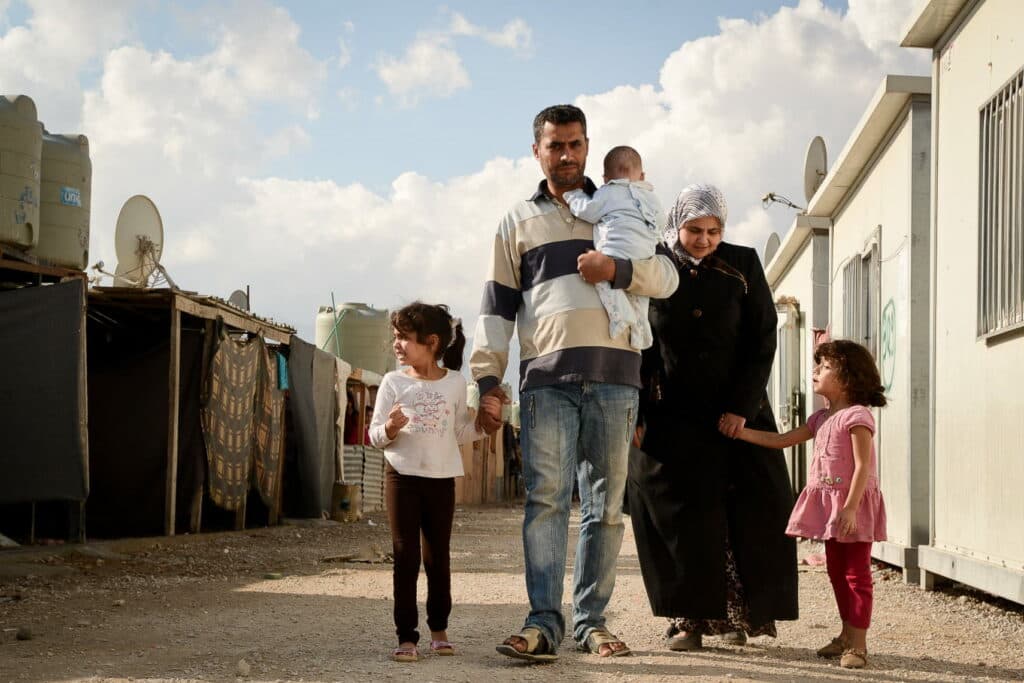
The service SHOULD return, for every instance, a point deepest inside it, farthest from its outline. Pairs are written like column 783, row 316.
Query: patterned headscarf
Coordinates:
column 694, row 201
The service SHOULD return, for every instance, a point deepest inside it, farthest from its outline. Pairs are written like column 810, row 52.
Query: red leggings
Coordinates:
column 849, row 570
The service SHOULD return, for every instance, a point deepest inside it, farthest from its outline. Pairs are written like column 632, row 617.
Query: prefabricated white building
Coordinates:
column 859, row 256
column 798, row 276
column 977, row 310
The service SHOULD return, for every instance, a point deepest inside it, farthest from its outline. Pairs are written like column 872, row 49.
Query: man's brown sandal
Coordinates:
column 602, row 643
column 536, row 646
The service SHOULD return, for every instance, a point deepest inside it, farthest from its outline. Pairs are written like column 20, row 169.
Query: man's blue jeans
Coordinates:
column 582, row 428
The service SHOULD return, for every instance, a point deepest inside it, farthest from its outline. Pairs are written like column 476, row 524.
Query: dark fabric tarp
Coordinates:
column 308, row 484
column 43, row 447
column 325, row 403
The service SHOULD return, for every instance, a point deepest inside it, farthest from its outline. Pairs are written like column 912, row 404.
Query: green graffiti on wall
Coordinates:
column 887, row 354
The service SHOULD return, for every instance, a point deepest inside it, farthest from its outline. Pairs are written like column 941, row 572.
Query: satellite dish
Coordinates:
column 815, row 167
column 239, row 299
column 771, row 247
column 138, row 240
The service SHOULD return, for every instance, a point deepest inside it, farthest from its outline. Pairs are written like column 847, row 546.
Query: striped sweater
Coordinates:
column 533, row 285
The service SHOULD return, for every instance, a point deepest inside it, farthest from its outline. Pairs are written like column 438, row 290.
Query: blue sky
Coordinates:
column 369, row 149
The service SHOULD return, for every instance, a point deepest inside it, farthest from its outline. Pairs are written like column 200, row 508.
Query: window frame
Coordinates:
column 1000, row 281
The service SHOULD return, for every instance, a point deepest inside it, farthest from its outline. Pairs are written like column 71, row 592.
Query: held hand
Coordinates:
column 491, row 405
column 638, row 436
column 396, row 420
column 595, row 267
column 847, row 521
column 488, row 418
column 731, row 424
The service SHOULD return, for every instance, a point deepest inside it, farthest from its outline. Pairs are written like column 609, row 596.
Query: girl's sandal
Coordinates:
column 537, row 648
column 405, row 654
column 854, row 658
column 442, row 647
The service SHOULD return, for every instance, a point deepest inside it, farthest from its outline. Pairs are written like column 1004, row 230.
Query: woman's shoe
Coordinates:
column 854, row 658
column 834, row 649
column 685, row 642
column 735, row 638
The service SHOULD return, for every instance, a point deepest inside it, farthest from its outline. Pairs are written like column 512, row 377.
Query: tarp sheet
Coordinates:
column 43, row 438
column 308, row 492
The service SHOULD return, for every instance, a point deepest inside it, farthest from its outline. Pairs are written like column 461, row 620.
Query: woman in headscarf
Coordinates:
column 709, row 513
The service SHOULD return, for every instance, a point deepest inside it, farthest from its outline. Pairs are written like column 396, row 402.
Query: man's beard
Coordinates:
column 567, row 176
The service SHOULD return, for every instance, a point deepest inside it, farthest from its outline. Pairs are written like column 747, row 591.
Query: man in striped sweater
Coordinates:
column 578, row 387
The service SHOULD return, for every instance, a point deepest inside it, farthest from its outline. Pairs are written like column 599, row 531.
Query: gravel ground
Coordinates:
column 311, row 602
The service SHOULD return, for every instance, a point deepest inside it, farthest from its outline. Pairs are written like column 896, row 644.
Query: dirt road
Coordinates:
column 312, row 603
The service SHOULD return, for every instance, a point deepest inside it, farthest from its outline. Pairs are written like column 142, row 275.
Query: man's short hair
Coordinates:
column 559, row 115
column 620, row 161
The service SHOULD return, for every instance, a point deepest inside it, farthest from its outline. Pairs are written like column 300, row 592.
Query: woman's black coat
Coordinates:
column 690, row 489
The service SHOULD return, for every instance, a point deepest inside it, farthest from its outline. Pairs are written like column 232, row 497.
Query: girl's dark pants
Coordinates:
column 418, row 505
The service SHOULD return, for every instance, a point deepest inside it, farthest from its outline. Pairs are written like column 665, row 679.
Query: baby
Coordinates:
column 625, row 214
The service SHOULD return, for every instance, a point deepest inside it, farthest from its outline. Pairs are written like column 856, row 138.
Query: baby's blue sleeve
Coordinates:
column 590, row 209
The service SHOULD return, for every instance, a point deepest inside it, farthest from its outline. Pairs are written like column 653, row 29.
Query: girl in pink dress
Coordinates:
column 842, row 504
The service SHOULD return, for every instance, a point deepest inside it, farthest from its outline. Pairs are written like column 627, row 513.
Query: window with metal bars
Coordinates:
column 860, row 299
column 1000, row 209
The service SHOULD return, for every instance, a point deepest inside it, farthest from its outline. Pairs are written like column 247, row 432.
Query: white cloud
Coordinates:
column 880, row 22
column 349, row 97
column 431, row 66
column 344, row 50
column 258, row 53
column 515, row 35
column 46, row 56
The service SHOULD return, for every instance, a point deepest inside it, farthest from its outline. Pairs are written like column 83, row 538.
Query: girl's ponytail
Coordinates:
column 876, row 397
column 452, row 356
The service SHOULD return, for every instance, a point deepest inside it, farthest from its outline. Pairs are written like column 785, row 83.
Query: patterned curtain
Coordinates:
column 227, row 419
column 269, row 420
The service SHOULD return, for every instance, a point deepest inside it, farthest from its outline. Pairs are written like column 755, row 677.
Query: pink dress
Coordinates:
column 828, row 482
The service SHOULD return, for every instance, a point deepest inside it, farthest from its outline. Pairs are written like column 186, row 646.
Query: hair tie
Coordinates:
column 454, row 322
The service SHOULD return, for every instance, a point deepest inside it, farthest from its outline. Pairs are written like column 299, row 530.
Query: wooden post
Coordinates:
column 78, row 507
column 485, row 471
column 363, row 397
column 275, row 511
column 173, row 377
column 196, row 512
column 240, row 513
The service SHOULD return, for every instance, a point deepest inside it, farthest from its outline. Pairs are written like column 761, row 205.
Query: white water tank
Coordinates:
column 21, row 143
column 358, row 334
column 65, row 194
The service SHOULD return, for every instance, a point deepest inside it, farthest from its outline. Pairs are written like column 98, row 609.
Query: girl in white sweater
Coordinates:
column 420, row 417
